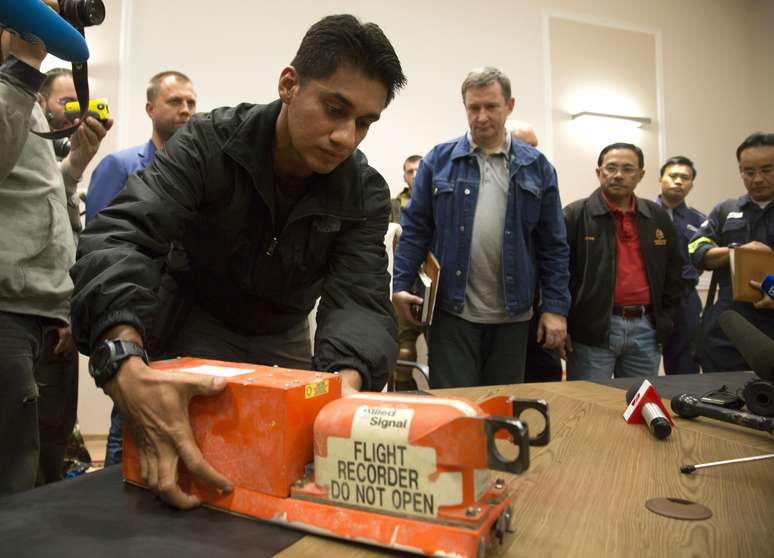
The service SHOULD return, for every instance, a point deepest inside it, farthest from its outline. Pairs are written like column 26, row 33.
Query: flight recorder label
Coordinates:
column 378, row 468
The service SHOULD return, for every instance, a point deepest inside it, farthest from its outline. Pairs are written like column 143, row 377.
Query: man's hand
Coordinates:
column 552, row 332
column 351, row 382
column 155, row 406
column 84, row 144
column 31, row 53
column 65, row 345
column 403, row 301
column 766, row 302
column 755, row 245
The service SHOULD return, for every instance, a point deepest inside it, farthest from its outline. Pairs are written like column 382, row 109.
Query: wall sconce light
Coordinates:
column 605, row 118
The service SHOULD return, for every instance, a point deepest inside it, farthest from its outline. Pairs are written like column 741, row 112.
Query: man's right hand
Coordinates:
column 403, row 301
column 31, row 53
column 155, row 406
column 755, row 245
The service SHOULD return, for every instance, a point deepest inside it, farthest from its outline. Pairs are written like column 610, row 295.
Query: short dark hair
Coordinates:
column 481, row 77
column 677, row 160
column 155, row 82
column 51, row 77
column 411, row 159
column 342, row 40
column 620, row 145
column 758, row 139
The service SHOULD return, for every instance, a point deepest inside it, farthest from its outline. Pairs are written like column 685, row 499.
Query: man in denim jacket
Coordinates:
column 488, row 207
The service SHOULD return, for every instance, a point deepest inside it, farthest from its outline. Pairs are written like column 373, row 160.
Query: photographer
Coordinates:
column 36, row 252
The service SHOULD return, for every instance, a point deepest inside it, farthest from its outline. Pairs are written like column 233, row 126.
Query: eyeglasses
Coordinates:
column 766, row 172
column 612, row 170
column 62, row 101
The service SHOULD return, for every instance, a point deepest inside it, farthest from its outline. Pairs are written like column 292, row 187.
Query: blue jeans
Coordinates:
column 632, row 351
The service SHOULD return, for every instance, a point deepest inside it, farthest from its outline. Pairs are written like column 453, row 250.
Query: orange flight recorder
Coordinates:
column 408, row 472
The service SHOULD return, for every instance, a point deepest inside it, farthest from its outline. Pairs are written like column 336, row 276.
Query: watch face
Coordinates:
column 100, row 357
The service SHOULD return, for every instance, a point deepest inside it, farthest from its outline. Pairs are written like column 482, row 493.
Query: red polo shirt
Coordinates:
column 631, row 281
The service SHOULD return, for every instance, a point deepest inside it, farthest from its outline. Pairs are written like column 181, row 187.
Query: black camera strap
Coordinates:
column 81, row 81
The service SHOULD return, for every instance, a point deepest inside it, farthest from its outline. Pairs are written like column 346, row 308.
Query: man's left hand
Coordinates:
column 552, row 332
column 65, row 345
column 84, row 144
column 765, row 303
column 351, row 382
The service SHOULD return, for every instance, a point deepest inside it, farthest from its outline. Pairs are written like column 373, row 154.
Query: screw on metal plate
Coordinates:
column 471, row 511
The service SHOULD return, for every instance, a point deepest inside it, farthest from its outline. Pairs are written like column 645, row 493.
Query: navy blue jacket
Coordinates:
column 686, row 221
column 440, row 216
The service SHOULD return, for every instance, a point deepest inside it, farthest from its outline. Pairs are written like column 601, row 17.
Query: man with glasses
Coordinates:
column 625, row 273
column 745, row 221
column 57, row 90
column 676, row 180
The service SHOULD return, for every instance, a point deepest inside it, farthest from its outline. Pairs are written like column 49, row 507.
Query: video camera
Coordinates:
column 98, row 108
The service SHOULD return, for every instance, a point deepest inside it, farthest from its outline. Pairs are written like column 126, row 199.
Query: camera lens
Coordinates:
column 61, row 147
column 83, row 13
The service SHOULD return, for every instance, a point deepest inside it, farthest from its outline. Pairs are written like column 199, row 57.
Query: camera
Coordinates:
column 82, row 13
column 61, row 148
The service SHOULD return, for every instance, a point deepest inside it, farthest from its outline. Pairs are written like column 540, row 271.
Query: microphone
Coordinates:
column 32, row 20
column 646, row 406
column 767, row 285
column 756, row 347
column 688, row 406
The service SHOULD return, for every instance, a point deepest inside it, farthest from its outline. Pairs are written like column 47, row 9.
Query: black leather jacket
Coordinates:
column 591, row 235
column 197, row 226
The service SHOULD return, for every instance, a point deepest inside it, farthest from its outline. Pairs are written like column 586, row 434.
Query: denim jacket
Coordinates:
column 440, row 216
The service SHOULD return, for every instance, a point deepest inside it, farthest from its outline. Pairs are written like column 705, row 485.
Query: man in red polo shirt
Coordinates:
column 625, row 273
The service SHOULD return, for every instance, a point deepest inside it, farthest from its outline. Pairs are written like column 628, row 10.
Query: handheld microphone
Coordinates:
column 767, row 285
column 32, row 20
column 688, row 406
column 645, row 406
column 756, row 347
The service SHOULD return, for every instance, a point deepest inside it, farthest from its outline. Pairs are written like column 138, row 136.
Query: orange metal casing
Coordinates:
column 258, row 432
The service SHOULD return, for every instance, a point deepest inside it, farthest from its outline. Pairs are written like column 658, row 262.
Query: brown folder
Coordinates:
column 426, row 286
column 749, row 264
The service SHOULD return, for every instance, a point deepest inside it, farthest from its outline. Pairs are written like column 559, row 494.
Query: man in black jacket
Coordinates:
column 221, row 246
column 625, row 267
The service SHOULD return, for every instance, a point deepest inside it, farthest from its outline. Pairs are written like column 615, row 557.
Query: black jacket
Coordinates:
column 591, row 235
column 197, row 227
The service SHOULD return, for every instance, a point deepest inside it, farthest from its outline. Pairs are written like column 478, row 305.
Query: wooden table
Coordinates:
column 584, row 494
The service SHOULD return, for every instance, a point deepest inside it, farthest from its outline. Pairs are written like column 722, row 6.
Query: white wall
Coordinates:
column 717, row 65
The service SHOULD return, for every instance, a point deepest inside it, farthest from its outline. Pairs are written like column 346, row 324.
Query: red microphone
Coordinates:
column 646, row 406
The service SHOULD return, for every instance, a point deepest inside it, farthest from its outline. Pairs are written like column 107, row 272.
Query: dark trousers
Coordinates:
column 463, row 353
column 714, row 351
column 31, row 402
column 677, row 350
column 57, row 378
column 541, row 365
column 204, row 336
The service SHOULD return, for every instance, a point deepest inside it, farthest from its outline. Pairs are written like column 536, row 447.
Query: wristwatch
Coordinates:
column 107, row 357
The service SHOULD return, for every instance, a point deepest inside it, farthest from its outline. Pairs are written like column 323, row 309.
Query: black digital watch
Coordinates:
column 107, row 357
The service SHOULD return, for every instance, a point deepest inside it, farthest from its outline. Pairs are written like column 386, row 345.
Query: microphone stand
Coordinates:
column 688, row 469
